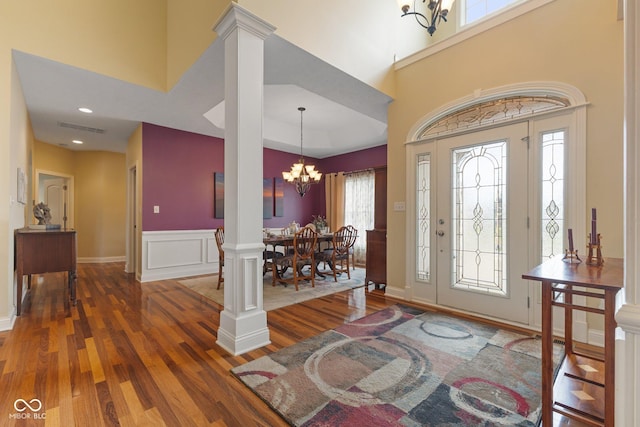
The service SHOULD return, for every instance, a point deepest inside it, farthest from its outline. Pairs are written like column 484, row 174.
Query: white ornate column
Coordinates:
column 628, row 315
column 243, row 322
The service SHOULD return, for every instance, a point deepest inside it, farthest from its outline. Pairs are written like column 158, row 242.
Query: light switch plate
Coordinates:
column 156, row 209
column 398, row 206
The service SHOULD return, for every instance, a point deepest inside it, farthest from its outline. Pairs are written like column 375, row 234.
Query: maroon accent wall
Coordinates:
column 354, row 161
column 178, row 170
column 296, row 208
column 357, row 160
column 177, row 176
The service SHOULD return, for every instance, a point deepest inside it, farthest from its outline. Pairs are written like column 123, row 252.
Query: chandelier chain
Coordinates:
column 301, row 109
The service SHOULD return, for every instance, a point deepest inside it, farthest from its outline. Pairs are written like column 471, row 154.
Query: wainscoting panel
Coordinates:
column 175, row 254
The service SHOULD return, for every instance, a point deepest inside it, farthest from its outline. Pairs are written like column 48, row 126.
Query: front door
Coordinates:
column 481, row 222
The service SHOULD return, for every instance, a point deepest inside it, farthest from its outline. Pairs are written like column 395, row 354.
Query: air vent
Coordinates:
column 80, row 127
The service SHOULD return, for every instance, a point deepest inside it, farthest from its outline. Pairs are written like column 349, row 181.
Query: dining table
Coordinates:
column 285, row 241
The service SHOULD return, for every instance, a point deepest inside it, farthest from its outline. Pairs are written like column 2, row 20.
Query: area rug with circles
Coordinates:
column 404, row 367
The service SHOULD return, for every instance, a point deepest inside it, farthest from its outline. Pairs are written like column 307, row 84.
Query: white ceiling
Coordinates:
column 343, row 114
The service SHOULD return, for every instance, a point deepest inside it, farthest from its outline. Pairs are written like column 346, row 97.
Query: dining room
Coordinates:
column 181, row 210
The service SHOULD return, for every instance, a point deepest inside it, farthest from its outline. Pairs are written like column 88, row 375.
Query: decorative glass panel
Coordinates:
column 493, row 112
column 480, row 218
column 552, row 194
column 423, row 217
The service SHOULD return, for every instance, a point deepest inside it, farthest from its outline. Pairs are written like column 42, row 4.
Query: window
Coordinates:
column 552, row 205
column 359, row 198
column 423, row 217
column 475, row 10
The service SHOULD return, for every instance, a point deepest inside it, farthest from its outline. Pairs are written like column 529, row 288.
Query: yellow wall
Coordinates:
column 53, row 158
column 578, row 42
column 14, row 128
column 189, row 33
column 100, row 196
column 118, row 38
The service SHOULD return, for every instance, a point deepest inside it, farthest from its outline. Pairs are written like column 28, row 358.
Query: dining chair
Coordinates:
column 267, row 259
column 338, row 255
column 219, row 242
column 354, row 237
column 302, row 255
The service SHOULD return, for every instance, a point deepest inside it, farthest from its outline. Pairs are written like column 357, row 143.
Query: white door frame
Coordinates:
column 133, row 231
column 70, row 182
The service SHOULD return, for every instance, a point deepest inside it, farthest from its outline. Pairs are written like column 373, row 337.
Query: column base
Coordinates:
column 240, row 335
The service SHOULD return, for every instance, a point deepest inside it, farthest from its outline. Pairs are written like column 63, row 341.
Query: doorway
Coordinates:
column 494, row 181
column 56, row 191
column 132, row 257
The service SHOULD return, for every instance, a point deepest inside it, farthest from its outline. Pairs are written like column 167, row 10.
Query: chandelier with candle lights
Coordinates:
column 302, row 175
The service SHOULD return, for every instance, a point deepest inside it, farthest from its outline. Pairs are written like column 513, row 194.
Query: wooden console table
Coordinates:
column 44, row 251
column 580, row 383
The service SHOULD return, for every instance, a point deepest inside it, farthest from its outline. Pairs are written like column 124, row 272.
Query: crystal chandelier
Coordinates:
column 301, row 175
column 439, row 10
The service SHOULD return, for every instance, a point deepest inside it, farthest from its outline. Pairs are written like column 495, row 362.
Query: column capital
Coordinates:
column 235, row 16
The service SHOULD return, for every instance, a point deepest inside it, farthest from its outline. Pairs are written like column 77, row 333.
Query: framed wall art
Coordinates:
column 22, row 187
column 267, row 198
column 278, row 197
column 218, row 195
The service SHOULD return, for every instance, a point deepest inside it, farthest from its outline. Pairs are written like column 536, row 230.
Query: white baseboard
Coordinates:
column 6, row 323
column 596, row 337
column 100, row 260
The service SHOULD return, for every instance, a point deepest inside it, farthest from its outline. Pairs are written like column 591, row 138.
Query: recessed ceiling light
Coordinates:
column 85, row 110
column 77, row 141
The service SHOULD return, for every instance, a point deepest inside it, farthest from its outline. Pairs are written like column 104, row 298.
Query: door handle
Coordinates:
column 440, row 233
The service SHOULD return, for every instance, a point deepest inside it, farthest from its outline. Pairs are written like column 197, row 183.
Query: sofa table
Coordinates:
column 44, row 251
column 580, row 383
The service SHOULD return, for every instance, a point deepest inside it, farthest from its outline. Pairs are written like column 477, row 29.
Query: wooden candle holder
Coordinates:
column 571, row 257
column 597, row 260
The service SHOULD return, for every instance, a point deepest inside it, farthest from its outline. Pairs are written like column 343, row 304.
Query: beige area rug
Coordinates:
column 279, row 295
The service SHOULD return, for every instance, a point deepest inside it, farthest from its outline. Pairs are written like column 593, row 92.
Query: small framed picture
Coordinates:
column 267, row 198
column 218, row 195
column 22, row 187
column 278, row 197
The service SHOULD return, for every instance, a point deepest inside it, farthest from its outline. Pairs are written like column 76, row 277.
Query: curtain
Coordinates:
column 359, row 197
column 334, row 195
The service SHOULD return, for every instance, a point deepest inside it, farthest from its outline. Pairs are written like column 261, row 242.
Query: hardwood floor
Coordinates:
column 136, row 354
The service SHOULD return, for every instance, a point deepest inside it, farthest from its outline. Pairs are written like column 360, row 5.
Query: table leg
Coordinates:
column 19, row 279
column 568, row 320
column 547, row 354
column 73, row 279
column 609, row 356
